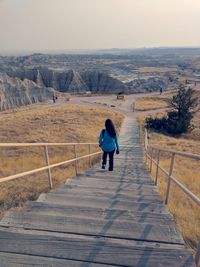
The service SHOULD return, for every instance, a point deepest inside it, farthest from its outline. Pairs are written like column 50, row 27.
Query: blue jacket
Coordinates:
column 107, row 142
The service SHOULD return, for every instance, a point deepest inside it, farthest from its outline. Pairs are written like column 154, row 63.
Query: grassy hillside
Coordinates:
column 153, row 102
column 45, row 123
column 187, row 171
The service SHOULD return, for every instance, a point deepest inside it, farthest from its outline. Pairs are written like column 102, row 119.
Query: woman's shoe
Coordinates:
column 103, row 167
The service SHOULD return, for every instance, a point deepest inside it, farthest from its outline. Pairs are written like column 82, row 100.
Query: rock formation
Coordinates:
column 70, row 81
column 19, row 87
column 15, row 93
column 147, row 85
column 99, row 82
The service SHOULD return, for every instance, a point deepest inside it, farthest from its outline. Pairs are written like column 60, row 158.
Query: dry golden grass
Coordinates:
column 155, row 69
column 45, row 123
column 153, row 102
column 187, row 171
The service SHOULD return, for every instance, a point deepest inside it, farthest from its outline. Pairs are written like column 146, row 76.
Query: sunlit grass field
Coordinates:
column 187, row 171
column 155, row 69
column 153, row 102
column 44, row 123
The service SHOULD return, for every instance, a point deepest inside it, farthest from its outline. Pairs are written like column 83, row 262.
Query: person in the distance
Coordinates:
column 108, row 141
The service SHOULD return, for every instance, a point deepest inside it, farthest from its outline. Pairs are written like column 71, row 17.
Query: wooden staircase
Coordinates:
column 97, row 219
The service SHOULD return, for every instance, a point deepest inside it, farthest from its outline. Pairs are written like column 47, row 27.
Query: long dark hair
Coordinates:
column 110, row 128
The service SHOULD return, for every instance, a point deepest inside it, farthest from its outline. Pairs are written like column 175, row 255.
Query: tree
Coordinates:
column 184, row 102
column 178, row 120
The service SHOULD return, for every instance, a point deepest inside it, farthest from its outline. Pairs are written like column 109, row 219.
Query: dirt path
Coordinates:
column 110, row 102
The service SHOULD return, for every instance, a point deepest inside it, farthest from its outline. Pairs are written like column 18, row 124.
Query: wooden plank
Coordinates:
column 134, row 196
column 76, row 190
column 104, row 174
column 140, row 197
column 93, row 212
column 20, row 260
column 110, row 186
column 98, row 251
column 122, row 168
column 142, row 207
column 111, row 179
column 110, row 227
column 100, row 202
column 135, row 174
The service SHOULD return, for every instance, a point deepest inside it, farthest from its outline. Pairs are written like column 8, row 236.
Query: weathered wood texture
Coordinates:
column 97, row 219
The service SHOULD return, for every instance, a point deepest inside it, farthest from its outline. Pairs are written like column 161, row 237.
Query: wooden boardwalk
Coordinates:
column 97, row 219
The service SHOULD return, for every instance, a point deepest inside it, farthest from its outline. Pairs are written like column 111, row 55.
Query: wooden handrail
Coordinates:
column 169, row 174
column 42, row 144
column 179, row 153
column 51, row 144
column 19, row 175
column 188, row 192
column 49, row 166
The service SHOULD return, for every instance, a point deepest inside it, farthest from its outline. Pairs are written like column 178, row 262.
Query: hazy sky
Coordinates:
column 86, row 24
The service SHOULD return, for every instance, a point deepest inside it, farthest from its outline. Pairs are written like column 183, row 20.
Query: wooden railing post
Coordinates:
column 145, row 138
column 49, row 169
column 146, row 144
column 75, row 156
column 197, row 256
column 146, row 158
column 157, row 167
column 169, row 178
column 151, row 160
column 90, row 163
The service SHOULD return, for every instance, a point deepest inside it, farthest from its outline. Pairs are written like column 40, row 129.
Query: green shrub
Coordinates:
column 178, row 120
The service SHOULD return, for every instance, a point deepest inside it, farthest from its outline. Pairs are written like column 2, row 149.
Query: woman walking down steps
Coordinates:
column 108, row 141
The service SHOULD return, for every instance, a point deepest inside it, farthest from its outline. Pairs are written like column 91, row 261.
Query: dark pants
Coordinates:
column 104, row 158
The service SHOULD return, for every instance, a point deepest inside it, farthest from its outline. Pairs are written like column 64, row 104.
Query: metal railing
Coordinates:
column 169, row 174
column 49, row 166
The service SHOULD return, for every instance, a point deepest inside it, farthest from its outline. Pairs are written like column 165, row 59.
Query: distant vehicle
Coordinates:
column 120, row 97
column 88, row 93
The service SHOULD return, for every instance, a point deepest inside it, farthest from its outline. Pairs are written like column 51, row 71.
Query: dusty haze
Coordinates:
column 93, row 24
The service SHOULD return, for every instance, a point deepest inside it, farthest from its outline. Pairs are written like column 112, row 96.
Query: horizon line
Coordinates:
column 69, row 50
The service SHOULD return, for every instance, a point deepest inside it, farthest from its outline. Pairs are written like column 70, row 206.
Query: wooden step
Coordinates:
column 130, row 196
column 99, row 251
column 20, row 260
column 123, row 187
column 93, row 212
column 137, row 206
column 111, row 227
